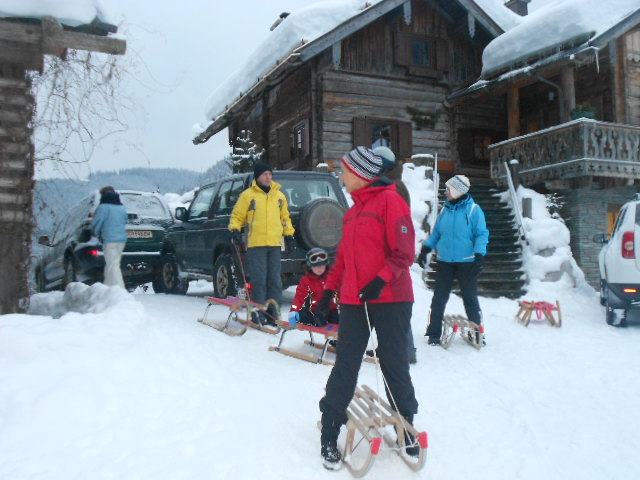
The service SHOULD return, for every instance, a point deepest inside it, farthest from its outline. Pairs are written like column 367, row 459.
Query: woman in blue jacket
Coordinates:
column 460, row 237
column 109, row 225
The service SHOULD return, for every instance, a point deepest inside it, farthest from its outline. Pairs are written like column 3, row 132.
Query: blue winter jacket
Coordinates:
column 109, row 223
column 460, row 232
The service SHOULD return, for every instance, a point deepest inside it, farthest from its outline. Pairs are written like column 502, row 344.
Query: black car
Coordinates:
column 199, row 245
column 74, row 254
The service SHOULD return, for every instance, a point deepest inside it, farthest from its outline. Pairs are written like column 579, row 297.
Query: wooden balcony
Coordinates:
column 580, row 148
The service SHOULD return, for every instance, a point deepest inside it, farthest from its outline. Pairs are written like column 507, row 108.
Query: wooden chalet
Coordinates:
column 409, row 74
column 380, row 77
column 573, row 121
column 23, row 44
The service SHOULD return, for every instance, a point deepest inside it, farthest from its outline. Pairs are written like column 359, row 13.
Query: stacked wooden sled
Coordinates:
column 239, row 319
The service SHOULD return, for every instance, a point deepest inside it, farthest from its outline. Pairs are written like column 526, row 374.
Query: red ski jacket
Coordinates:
column 314, row 284
column 378, row 240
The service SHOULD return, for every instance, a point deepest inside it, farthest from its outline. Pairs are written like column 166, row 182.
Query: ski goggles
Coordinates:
column 318, row 258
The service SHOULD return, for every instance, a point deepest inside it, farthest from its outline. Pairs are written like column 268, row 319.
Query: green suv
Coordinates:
column 198, row 245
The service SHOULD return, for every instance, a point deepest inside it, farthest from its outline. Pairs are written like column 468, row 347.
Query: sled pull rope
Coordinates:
column 379, row 371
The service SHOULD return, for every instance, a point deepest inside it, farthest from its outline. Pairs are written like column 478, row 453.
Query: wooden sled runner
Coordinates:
column 329, row 331
column 239, row 318
column 470, row 332
column 369, row 416
column 544, row 311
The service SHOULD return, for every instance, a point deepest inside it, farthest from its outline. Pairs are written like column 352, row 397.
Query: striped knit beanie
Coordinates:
column 458, row 186
column 363, row 163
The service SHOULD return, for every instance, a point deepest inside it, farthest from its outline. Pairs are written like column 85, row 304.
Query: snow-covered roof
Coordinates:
column 563, row 24
column 73, row 13
column 298, row 32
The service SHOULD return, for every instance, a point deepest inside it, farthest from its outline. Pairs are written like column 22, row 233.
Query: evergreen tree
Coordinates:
column 245, row 153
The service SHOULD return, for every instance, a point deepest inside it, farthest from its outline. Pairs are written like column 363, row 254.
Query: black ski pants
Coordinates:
column 391, row 322
column 467, row 275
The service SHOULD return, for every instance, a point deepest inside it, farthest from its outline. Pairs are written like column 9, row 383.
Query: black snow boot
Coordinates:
column 331, row 456
column 411, row 445
column 272, row 315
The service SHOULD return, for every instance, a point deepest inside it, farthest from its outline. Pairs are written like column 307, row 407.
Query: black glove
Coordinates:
column 307, row 317
column 320, row 319
column 373, row 290
column 322, row 309
column 236, row 238
column 478, row 263
column 422, row 258
column 289, row 244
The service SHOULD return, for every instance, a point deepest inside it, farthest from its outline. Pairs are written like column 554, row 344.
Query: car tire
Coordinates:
column 167, row 279
column 616, row 317
column 321, row 224
column 603, row 289
column 225, row 283
column 40, row 281
column 70, row 272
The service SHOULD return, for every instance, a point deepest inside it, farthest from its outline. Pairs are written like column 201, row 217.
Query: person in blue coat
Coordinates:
column 109, row 225
column 460, row 237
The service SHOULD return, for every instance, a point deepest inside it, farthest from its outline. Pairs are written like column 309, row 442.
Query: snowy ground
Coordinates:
column 128, row 386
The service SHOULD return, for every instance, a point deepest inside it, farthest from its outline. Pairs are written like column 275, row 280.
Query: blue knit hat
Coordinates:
column 363, row 163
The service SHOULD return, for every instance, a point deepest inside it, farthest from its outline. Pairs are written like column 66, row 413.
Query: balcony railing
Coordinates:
column 578, row 148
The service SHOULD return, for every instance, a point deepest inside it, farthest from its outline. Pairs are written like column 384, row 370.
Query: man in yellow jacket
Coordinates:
column 263, row 207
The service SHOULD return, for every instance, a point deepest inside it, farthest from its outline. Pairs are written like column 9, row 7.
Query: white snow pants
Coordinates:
column 112, row 256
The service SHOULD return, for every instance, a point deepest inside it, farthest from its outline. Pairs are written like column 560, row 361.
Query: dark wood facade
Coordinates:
column 386, row 82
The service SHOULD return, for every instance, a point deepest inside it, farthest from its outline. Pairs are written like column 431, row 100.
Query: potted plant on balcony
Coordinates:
column 584, row 110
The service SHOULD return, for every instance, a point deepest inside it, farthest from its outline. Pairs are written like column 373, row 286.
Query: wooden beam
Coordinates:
column 54, row 38
column 28, row 56
column 513, row 111
column 568, row 85
column 50, row 38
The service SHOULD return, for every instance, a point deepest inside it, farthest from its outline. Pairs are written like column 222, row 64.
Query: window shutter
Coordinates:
column 360, row 132
column 284, row 145
column 401, row 48
column 405, row 139
column 442, row 54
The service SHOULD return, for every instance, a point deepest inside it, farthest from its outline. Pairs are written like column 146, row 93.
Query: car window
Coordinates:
column 146, row 206
column 300, row 191
column 73, row 219
column 200, row 206
column 619, row 220
column 228, row 196
column 637, row 215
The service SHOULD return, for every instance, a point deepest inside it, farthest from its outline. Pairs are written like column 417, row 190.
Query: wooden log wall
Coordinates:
column 631, row 62
column 348, row 95
column 594, row 85
column 16, row 186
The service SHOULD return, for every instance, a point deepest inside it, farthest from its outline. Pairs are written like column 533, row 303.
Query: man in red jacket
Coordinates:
column 372, row 278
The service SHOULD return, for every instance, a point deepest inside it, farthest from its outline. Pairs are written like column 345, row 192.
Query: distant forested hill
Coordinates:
column 54, row 197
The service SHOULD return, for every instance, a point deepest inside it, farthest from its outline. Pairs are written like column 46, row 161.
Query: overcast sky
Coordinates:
column 187, row 48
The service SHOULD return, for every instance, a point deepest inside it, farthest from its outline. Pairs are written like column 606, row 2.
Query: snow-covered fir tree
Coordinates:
column 245, row 153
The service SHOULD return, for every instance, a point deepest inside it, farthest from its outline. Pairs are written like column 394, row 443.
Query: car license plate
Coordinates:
column 139, row 234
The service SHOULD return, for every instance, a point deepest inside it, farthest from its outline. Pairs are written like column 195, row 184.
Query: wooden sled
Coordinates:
column 544, row 311
column 239, row 318
column 329, row 331
column 470, row 332
column 369, row 415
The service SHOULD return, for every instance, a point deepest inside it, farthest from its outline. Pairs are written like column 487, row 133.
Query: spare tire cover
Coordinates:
column 321, row 224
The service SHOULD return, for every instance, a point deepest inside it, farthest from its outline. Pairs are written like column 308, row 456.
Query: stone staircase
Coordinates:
column 502, row 275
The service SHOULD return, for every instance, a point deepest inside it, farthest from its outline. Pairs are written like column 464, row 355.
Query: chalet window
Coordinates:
column 300, row 140
column 293, row 142
column 423, row 55
column 375, row 132
column 473, row 145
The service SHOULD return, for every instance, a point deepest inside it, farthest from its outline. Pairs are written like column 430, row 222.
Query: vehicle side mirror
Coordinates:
column 44, row 240
column 601, row 238
column 181, row 214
